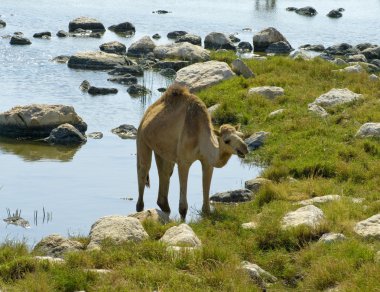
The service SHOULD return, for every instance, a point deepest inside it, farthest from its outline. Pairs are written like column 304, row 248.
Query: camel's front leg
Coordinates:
column 183, row 172
column 206, row 180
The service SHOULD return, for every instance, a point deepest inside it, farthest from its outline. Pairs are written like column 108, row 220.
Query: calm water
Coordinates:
column 77, row 186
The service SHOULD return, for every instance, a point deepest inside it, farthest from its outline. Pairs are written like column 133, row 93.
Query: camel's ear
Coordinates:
column 237, row 127
column 217, row 133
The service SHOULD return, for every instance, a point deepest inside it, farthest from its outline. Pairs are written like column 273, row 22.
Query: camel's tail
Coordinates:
column 147, row 183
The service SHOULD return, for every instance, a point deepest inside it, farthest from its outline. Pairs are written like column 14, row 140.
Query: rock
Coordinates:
column 124, row 28
column 136, row 90
column 84, row 86
column 332, row 237
column 213, row 108
column 86, row 23
column 334, row 14
column 96, row 61
column 376, row 62
column 369, row 130
column 201, row 75
column 142, row 47
column 337, row 96
column 65, row 134
column 339, row 62
column 101, row 90
column 351, row 69
column 175, row 65
column 17, row 220
column 369, row 227
column 270, row 92
column 320, row 111
column 62, row 34
column 126, row 79
column 300, row 55
column 357, row 58
column 217, row 40
column 61, row 59
column 125, row 131
column 235, row 196
column 161, row 89
column 190, row 38
column 152, row 214
column 309, row 215
column 319, row 200
column 245, row 47
column 38, row 120
column 363, row 46
column 279, row 48
column 168, row 73
column 291, row 8
column 255, row 184
column 156, row 36
column 240, row 68
column 266, row 37
column 161, row 11
column 372, row 53
column 249, row 225
column 95, row 135
column 19, row 40
column 326, row 57
column 40, row 35
column 49, row 259
column 342, row 49
column 315, row 48
column 306, row 11
column 117, row 228
column 176, row 34
column 133, row 70
column 257, row 274
column 256, row 140
column 181, row 235
column 233, row 38
column 56, row 245
column 373, row 77
column 2, row 23
column 182, row 51
column 114, row 48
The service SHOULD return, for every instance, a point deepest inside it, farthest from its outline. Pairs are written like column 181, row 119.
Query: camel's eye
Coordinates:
column 227, row 141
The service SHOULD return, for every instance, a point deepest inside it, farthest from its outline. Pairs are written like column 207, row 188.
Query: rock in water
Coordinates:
column 142, row 47
column 96, row 61
column 125, row 131
column 101, row 90
column 124, row 28
column 217, row 40
column 114, row 48
column 86, row 23
column 263, row 39
column 65, row 134
column 19, row 40
column 236, row 196
column 182, row 51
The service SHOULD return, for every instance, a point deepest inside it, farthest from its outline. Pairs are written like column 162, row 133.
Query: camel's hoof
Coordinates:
column 139, row 206
column 164, row 207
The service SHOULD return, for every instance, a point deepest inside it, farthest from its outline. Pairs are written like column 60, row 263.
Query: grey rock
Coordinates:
column 342, row 49
column 270, row 92
column 44, row 34
column 61, row 59
column 161, row 89
column 38, row 120
column 181, row 235
column 2, row 23
column 49, row 259
column 291, row 8
column 65, row 134
column 168, row 72
column 372, row 53
column 363, row 46
column 245, row 47
column 281, row 47
column 254, row 185
column 357, row 58
column 152, row 214
column 161, row 12
column 306, row 11
column 117, row 228
column 202, row 75
column 374, row 77
column 257, row 274
column 276, row 112
column 156, row 36
column 233, row 38
column 335, row 13
column 101, row 90
column 326, row 57
column 175, row 34
column 95, row 135
column 190, row 38
column 337, row 96
column 332, row 237
column 114, row 48
column 235, row 196
column 376, row 62
column 124, row 28
column 212, row 109
column 217, row 40
column 62, row 34
column 134, row 70
column 56, row 245
column 136, row 90
column 96, row 61
column 175, row 65
column 19, row 40
column 369, row 130
column 84, row 86
column 256, row 140
column 86, row 23
column 300, row 55
column 142, row 47
column 127, row 79
column 125, row 131
column 240, row 68
column 316, row 109
column 182, row 51
column 369, row 227
column 309, row 215
column 351, row 69
column 319, row 200
column 249, row 225
column 263, row 39
column 315, row 48
column 339, row 62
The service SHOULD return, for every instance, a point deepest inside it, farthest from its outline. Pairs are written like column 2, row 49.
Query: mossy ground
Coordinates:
column 305, row 156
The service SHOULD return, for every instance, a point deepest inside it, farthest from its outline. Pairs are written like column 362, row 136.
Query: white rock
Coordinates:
column 201, row 75
column 322, row 199
column 257, row 274
column 369, row 227
column 337, row 96
column 117, row 228
column 276, row 113
column 98, row 271
column 308, row 215
column 151, row 214
column 213, row 108
column 332, row 237
column 50, row 259
column 339, row 62
column 300, row 55
column 374, row 77
column 351, row 69
column 181, row 235
column 268, row 91
column 369, row 130
column 320, row 111
column 183, row 51
column 249, row 225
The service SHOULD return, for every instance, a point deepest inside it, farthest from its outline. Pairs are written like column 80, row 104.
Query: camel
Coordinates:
column 178, row 129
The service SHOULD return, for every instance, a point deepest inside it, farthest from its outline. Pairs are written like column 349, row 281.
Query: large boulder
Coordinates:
column 309, row 215
column 65, row 134
column 202, row 75
column 217, row 41
column 38, row 120
column 181, row 235
column 235, row 196
column 19, row 40
column 56, row 245
column 190, row 38
column 117, row 228
column 86, row 23
column 183, row 51
column 142, row 47
column 369, row 130
column 270, row 92
column 124, row 28
column 263, row 39
column 113, row 48
column 96, row 61
column 337, row 96
column 369, row 227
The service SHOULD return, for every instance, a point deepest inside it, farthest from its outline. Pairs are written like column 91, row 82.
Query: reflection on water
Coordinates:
column 266, row 5
column 34, row 151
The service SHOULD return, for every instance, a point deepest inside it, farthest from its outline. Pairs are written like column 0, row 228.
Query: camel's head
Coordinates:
column 231, row 139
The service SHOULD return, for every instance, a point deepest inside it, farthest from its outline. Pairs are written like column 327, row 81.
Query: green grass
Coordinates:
column 305, row 156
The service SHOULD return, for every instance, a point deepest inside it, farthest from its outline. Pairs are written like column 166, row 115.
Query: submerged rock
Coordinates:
column 175, row 34
column 235, row 196
column 124, row 28
column 125, row 131
column 65, row 134
column 96, row 61
column 133, row 70
column 101, row 90
column 20, row 40
column 62, row 34
column 95, row 135
column 175, row 65
column 126, row 79
column 335, row 13
column 61, row 59
column 85, row 86
column 137, row 90
column 306, row 11
column 114, row 48
column 2, row 23
column 86, row 23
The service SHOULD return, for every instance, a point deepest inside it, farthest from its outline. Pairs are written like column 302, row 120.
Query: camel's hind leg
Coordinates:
column 144, row 159
column 165, row 170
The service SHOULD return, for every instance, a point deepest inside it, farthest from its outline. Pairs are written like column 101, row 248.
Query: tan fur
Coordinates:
column 178, row 129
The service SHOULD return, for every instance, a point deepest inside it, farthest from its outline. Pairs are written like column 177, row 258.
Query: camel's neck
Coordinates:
column 215, row 153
